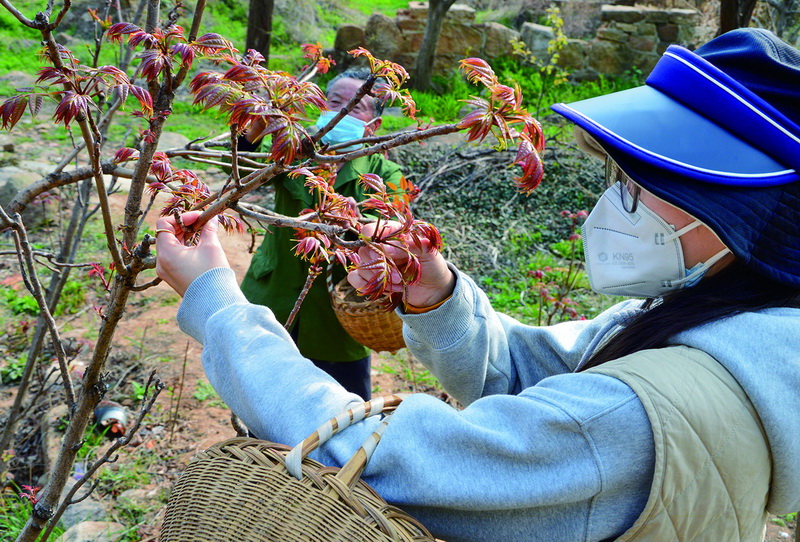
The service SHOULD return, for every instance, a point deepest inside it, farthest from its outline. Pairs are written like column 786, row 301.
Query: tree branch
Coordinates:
column 20, row 17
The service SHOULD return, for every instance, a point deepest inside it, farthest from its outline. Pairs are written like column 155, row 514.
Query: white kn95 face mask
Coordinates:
column 636, row 254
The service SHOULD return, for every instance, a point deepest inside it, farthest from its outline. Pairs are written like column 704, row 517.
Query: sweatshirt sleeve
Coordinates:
column 567, row 459
column 475, row 351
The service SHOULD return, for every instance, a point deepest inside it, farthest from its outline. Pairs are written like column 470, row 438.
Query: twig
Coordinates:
column 147, row 405
column 20, row 17
column 313, row 272
column 238, row 426
column 147, row 285
column 401, row 139
column 193, row 31
column 31, row 280
column 174, row 415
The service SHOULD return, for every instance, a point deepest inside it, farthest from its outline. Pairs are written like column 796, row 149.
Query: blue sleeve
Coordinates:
column 475, row 351
column 570, row 458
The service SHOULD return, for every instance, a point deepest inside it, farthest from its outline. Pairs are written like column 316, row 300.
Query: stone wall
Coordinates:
column 399, row 39
column 628, row 37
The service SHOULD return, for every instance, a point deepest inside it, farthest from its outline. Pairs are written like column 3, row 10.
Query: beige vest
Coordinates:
column 713, row 466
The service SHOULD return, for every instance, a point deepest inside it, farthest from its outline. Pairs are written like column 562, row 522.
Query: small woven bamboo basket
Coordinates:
column 252, row 490
column 367, row 322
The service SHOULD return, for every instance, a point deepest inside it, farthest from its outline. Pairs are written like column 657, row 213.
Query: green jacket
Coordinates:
column 276, row 276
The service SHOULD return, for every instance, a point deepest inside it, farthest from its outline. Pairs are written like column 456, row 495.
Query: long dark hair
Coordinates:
column 733, row 290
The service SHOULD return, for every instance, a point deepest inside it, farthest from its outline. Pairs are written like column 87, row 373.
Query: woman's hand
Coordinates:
column 436, row 280
column 178, row 264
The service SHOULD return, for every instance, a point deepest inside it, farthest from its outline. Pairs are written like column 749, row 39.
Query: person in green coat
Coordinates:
column 276, row 276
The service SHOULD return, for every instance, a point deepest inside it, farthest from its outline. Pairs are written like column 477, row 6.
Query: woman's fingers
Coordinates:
column 179, row 264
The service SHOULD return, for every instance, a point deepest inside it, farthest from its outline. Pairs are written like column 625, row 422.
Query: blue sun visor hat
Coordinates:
column 715, row 132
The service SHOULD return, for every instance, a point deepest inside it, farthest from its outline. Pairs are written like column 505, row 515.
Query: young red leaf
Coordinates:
column 153, row 63
column 504, row 94
column 161, row 167
column 532, row 167
column 117, row 75
column 477, row 71
column 243, row 72
column 145, row 100
column 35, row 104
column 124, row 154
column 286, row 142
column 212, row 43
column 117, row 31
column 12, row 109
column 71, row 106
column 252, row 58
column 56, row 76
column 217, row 94
column 138, row 37
column 373, row 181
column 185, row 51
column 230, row 223
column 202, row 79
column 312, row 51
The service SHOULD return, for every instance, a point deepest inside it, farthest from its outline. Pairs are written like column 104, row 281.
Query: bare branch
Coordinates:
column 142, row 287
column 61, row 13
column 49, row 256
column 147, row 405
column 20, row 17
column 313, row 272
column 28, row 270
column 193, row 31
column 398, row 140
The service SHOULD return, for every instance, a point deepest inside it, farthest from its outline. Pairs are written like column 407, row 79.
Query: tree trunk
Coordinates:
column 423, row 69
column 259, row 27
column 735, row 14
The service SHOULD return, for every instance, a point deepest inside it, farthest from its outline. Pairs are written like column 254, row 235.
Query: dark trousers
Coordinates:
column 354, row 376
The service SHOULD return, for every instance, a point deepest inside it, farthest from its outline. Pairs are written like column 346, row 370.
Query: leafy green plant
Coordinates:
column 12, row 369
column 15, row 509
column 93, row 439
column 73, row 298
column 138, row 392
column 785, row 520
column 551, row 73
column 20, row 303
column 205, row 392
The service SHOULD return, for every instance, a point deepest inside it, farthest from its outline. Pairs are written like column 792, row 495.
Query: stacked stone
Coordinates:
column 630, row 37
column 399, row 39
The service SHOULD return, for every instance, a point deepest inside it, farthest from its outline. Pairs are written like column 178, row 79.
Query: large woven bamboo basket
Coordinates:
column 252, row 490
column 370, row 324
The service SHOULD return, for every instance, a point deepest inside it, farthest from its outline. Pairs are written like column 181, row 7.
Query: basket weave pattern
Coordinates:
column 241, row 489
column 366, row 322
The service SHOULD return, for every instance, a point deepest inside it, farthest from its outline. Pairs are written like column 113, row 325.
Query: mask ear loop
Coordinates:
column 683, row 230
column 705, row 267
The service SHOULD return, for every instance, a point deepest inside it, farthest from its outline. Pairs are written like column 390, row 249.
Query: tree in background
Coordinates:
column 423, row 69
column 259, row 27
column 735, row 14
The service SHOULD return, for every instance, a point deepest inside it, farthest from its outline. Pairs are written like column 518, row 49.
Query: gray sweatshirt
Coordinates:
column 538, row 453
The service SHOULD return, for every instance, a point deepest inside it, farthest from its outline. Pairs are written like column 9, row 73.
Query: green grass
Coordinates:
column 205, row 392
column 14, row 514
column 387, row 7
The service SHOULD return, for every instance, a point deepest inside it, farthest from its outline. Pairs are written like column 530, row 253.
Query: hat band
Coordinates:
column 709, row 92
